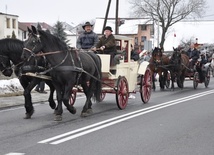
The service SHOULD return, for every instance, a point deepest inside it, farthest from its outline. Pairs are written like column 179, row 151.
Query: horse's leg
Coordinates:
column 161, row 80
column 66, row 97
column 88, row 90
column 52, row 89
column 172, row 79
column 153, row 81
column 58, row 111
column 27, row 95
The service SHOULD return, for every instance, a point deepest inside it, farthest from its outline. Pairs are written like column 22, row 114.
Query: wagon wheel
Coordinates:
column 122, row 92
column 73, row 97
column 195, row 80
column 146, row 86
column 212, row 69
column 168, row 78
column 207, row 77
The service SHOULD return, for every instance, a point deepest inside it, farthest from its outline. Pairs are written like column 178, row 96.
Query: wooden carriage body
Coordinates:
column 126, row 67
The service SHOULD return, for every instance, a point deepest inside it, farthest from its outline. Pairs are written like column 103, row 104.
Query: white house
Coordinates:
column 9, row 24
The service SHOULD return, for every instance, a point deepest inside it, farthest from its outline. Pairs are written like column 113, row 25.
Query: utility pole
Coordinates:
column 106, row 16
column 116, row 18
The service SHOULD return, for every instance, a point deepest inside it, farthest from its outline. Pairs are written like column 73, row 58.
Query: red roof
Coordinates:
column 23, row 25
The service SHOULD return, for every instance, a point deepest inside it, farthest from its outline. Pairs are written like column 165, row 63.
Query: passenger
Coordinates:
column 144, row 56
column 88, row 39
column 200, row 69
column 193, row 54
column 107, row 44
column 134, row 55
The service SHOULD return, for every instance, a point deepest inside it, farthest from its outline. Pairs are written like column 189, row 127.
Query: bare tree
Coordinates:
column 167, row 12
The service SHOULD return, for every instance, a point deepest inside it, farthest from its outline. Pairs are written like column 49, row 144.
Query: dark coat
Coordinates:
column 134, row 55
column 193, row 54
column 87, row 40
column 109, row 43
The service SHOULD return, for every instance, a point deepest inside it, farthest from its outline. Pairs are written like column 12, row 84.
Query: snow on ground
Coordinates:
column 10, row 86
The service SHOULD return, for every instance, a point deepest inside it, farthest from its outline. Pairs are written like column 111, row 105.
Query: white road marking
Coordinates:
column 109, row 122
column 13, row 153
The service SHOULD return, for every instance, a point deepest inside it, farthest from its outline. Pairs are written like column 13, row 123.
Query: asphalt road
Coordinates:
column 173, row 122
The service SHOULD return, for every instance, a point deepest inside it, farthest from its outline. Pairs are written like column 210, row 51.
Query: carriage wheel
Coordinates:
column 73, row 97
column 122, row 93
column 146, row 86
column 102, row 96
column 207, row 77
column 168, row 80
column 212, row 69
column 195, row 80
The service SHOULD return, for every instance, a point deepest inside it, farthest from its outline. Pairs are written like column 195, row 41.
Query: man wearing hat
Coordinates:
column 88, row 39
column 107, row 43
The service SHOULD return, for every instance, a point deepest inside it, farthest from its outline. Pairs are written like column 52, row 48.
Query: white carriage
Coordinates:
column 126, row 77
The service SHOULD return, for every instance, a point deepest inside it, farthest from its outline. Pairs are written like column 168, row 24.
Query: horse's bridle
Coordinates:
column 32, row 54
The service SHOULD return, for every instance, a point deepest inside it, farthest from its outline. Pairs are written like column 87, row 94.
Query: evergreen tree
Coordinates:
column 59, row 31
column 39, row 27
column 13, row 35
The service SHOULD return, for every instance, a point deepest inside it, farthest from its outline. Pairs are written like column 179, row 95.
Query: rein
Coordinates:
column 41, row 54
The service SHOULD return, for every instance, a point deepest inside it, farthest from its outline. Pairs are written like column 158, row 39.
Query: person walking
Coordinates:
column 40, row 88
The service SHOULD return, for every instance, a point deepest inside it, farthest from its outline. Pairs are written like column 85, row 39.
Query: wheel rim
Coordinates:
column 146, row 86
column 207, row 78
column 122, row 93
column 73, row 97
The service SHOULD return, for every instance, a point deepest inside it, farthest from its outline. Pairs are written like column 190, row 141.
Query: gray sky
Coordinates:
column 50, row 11
column 75, row 11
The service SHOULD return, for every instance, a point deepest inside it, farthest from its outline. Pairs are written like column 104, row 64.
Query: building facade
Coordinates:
column 9, row 25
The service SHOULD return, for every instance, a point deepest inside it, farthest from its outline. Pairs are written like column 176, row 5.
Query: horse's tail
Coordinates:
column 98, row 74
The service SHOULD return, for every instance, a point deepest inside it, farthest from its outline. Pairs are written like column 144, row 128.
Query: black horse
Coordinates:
column 178, row 65
column 68, row 68
column 11, row 50
column 158, row 64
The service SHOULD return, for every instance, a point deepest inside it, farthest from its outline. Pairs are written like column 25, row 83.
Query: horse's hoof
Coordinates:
column 52, row 105
column 89, row 111
column 58, row 118
column 72, row 110
column 28, row 115
column 84, row 114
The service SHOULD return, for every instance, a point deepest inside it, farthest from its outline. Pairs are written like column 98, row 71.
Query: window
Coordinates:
column 136, row 40
column 152, row 29
column 24, row 35
column 143, row 38
column 143, row 27
column 8, row 22
column 14, row 23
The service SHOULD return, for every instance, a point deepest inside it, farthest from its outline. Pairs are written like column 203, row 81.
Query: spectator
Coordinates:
column 41, row 87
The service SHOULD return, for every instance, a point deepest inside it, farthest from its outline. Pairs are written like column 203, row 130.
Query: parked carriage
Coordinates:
column 123, row 78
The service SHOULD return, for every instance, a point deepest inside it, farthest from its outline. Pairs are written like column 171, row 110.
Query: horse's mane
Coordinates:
column 53, row 41
column 11, row 47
